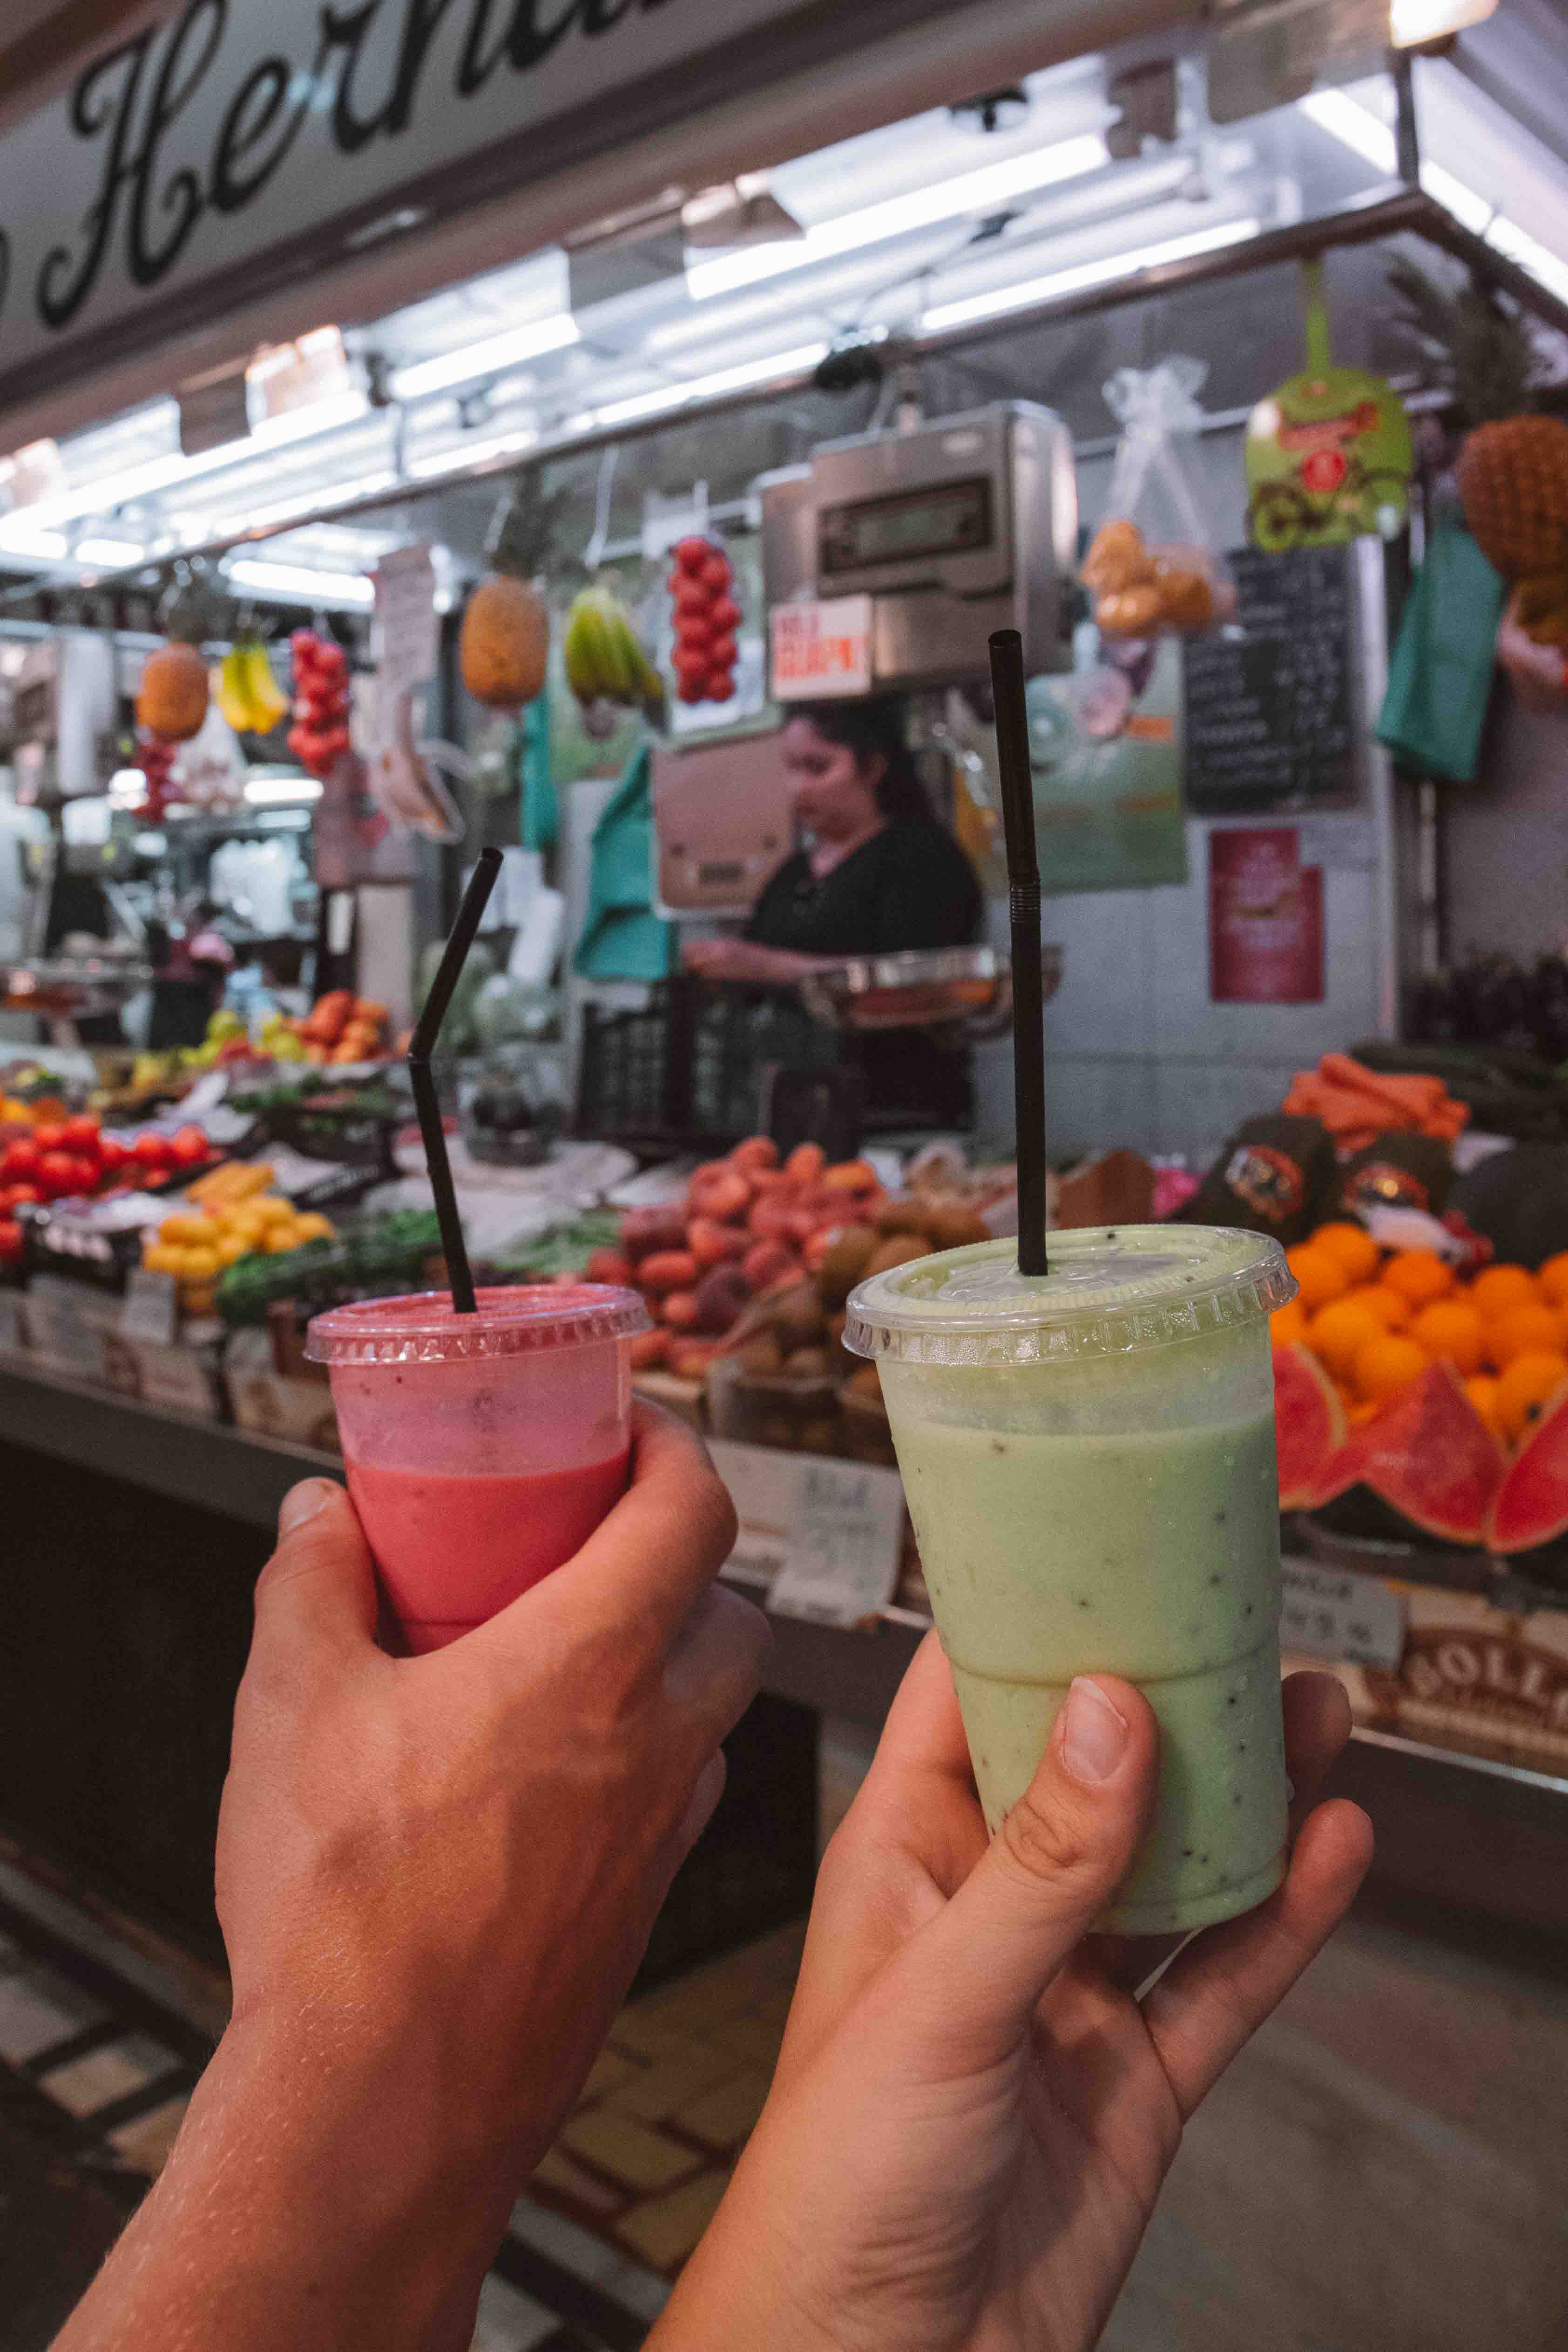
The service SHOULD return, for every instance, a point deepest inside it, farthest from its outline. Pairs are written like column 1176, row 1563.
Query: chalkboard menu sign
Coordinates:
column 1271, row 704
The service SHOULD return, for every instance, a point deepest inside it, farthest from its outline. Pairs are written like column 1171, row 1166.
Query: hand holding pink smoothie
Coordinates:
column 482, row 1450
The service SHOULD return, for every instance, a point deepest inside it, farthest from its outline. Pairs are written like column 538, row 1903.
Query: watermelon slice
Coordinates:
column 1310, row 1431
column 1430, row 1456
column 1532, row 1504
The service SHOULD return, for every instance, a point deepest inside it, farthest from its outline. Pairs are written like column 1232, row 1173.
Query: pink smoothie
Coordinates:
column 452, row 1550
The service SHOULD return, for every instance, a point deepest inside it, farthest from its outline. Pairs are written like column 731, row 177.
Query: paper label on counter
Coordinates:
column 845, row 1531
column 1334, row 1612
column 151, row 1307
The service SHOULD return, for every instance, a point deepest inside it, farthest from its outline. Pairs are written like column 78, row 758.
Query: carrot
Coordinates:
column 648, row 1349
column 681, row 1310
column 758, row 1152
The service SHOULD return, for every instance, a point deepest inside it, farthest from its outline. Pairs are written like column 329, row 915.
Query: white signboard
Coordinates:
column 409, row 627
column 227, row 149
column 821, row 649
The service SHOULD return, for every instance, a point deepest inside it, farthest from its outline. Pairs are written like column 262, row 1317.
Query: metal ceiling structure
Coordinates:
column 920, row 237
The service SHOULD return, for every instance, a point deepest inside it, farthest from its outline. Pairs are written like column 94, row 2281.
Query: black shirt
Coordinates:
column 910, row 886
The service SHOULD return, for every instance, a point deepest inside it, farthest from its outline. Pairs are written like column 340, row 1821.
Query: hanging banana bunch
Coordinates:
column 603, row 661
column 248, row 694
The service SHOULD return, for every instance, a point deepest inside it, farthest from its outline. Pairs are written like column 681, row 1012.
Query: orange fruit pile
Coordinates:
column 1377, row 1320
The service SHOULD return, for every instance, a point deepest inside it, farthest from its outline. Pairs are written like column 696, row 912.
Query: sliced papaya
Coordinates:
column 1427, row 1454
column 1532, row 1504
column 1310, row 1430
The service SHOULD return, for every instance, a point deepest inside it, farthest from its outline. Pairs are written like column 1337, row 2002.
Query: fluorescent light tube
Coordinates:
column 486, row 358
column 107, row 550
column 471, row 452
column 665, row 397
column 300, row 580
column 1104, row 271
column 987, row 189
column 281, row 791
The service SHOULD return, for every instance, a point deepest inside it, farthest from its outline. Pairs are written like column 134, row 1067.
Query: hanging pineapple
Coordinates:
column 504, row 645
column 172, row 699
column 1512, row 467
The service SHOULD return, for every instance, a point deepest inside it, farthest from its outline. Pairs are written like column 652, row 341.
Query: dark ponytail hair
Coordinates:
column 873, row 730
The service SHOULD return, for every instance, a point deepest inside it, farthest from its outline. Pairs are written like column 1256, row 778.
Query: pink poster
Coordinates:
column 1266, row 917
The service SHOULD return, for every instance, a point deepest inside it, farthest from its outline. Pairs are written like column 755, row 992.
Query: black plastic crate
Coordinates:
column 690, row 1069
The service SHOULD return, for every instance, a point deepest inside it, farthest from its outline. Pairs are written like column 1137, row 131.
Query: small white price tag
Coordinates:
column 151, row 1307
column 841, row 1554
column 1332, row 1612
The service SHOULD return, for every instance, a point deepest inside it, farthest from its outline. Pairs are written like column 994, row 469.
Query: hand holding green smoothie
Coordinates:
column 1089, row 1459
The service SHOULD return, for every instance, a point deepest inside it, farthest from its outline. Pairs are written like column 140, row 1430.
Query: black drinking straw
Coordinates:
column 427, row 1029
column 1023, row 905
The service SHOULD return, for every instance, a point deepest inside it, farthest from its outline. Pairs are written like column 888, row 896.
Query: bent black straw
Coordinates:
column 422, row 1046
column 1024, row 907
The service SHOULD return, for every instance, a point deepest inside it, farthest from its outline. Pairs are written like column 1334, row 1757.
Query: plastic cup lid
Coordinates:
column 425, row 1329
column 1110, row 1289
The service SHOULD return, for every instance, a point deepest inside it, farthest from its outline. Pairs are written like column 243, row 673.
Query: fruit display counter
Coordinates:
column 136, row 1539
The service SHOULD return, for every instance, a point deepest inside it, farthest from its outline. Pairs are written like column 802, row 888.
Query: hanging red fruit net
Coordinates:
column 701, row 581
column 156, row 758
column 319, row 735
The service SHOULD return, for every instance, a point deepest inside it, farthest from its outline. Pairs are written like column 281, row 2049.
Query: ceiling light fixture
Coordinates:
column 488, row 357
column 468, row 452
column 980, row 191
column 1102, row 272
column 117, row 553
column 99, row 497
column 666, row 397
column 281, row 791
column 297, row 579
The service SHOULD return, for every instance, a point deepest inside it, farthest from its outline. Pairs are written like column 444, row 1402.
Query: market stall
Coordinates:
column 578, row 556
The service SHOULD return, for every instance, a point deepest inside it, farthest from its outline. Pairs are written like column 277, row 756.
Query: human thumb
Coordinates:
column 1051, row 1868
column 318, row 1587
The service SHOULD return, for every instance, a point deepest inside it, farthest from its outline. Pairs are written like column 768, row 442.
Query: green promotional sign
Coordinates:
column 1328, row 454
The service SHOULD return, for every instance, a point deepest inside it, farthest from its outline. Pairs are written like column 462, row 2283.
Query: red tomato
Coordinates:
column 84, row 1172
column 691, row 689
column 21, row 1161
column 692, row 637
column 152, row 1153
column 12, row 1240
column 720, row 687
column 82, row 1135
column 19, row 1196
column 57, row 1174
column 691, row 554
column 716, row 574
column 725, row 614
column 722, row 653
column 190, row 1147
column 50, row 1135
column 112, row 1157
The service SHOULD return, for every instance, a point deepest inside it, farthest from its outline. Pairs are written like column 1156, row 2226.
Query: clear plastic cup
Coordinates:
column 482, row 1450
column 1089, row 1459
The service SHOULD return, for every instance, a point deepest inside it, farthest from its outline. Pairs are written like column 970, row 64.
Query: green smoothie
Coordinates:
column 1089, row 1465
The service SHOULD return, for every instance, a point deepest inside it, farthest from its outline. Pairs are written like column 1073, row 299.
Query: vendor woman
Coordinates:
column 876, row 874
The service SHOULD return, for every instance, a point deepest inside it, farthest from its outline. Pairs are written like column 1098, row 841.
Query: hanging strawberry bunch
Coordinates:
column 706, row 619
column 319, row 735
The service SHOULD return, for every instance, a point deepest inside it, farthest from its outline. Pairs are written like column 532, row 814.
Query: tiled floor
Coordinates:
column 1382, row 2171
column 95, row 2074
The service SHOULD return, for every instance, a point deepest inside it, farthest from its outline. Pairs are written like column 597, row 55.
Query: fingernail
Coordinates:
column 1094, row 1736
column 302, row 1503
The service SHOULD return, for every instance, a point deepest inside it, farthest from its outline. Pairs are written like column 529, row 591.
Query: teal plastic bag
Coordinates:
column 622, row 939
column 1440, row 673
column 541, row 811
